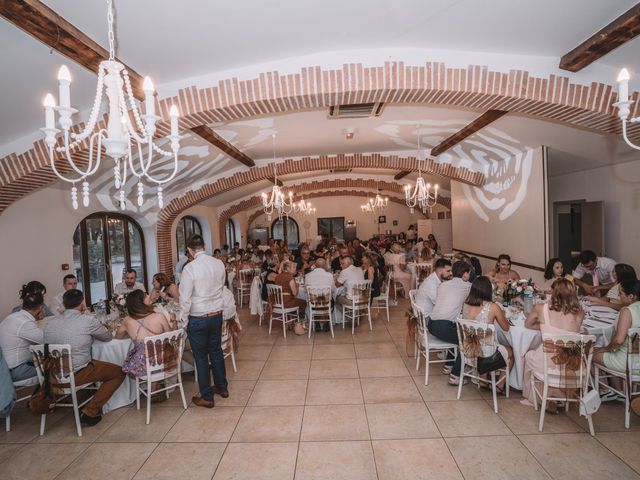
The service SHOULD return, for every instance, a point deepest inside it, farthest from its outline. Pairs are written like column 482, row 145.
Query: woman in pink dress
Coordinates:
column 563, row 314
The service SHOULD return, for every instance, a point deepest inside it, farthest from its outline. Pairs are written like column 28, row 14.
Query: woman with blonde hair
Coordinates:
column 398, row 261
column 286, row 280
column 563, row 314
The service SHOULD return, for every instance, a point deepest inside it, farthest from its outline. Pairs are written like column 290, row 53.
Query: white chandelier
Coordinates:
column 304, row 208
column 421, row 195
column 277, row 200
column 377, row 205
column 624, row 105
column 119, row 135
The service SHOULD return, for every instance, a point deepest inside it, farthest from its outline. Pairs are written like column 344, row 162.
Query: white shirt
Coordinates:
column 450, row 298
column 319, row 277
column 18, row 332
column 228, row 303
column 349, row 277
column 201, row 285
column 604, row 270
column 56, row 306
column 614, row 294
column 428, row 292
column 121, row 288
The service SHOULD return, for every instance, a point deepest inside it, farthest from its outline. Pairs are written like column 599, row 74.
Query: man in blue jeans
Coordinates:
column 201, row 286
column 449, row 300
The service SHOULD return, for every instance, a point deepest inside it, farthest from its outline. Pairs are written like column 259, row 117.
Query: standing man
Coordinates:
column 594, row 274
column 130, row 283
column 69, row 282
column 201, row 299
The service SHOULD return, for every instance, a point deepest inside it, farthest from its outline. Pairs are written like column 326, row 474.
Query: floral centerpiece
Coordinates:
column 120, row 303
column 517, row 288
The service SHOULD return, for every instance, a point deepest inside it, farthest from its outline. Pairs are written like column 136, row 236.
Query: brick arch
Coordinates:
column 553, row 97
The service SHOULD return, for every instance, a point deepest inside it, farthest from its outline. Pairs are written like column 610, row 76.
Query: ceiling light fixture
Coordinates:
column 304, row 208
column 624, row 105
column 277, row 200
column 421, row 195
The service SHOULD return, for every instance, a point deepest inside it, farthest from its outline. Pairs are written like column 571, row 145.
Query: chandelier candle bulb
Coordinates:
column 49, row 113
column 174, row 114
column 623, row 85
column 64, row 86
column 149, row 103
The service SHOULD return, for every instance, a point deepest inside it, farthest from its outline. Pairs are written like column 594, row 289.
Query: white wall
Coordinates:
column 618, row 186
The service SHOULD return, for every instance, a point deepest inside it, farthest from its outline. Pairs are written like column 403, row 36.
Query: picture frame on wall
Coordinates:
column 382, row 219
column 395, row 223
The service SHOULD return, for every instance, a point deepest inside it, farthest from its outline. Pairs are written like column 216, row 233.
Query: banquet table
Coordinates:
column 116, row 352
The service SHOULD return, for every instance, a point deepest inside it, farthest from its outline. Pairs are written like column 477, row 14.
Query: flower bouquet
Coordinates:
column 119, row 302
column 517, row 288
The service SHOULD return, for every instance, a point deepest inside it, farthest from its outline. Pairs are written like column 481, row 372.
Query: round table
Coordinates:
column 116, row 352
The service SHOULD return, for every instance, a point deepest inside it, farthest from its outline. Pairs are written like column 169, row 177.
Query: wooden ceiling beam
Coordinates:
column 623, row 29
column 273, row 179
column 220, row 143
column 482, row 121
column 41, row 22
column 401, row 175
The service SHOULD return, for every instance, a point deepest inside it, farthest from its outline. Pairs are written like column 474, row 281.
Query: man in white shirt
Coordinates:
column 130, row 283
column 428, row 291
column 18, row 332
column 593, row 273
column 349, row 276
column 69, row 282
column 201, row 299
column 450, row 298
column 319, row 276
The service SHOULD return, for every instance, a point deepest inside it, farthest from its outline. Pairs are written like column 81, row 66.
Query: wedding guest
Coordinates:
column 286, row 280
column 502, row 273
column 164, row 289
column 594, row 274
column 18, row 332
column 371, row 273
column 348, row 277
column 555, row 270
column 563, row 314
column 69, row 282
column 428, row 291
column 304, row 262
column 201, row 288
column 342, row 251
column 34, row 286
column 426, row 256
column 270, row 277
column 621, row 273
column 398, row 262
column 449, row 300
column 319, row 276
column 411, row 233
column 479, row 306
column 130, row 283
column 433, row 244
column 410, row 254
column 79, row 330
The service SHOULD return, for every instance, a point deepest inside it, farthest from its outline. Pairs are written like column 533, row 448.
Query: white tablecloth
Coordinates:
column 116, row 352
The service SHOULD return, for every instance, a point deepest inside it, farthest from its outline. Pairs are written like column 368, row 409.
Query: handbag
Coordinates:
column 492, row 363
column 590, row 402
column 299, row 328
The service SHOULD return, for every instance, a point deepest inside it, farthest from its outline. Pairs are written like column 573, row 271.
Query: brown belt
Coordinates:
column 210, row 314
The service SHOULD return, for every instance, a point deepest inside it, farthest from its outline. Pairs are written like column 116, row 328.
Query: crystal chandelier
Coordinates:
column 377, row 205
column 421, row 195
column 117, row 138
column 624, row 105
column 277, row 200
column 304, row 208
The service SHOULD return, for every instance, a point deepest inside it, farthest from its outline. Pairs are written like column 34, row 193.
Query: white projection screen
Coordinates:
column 508, row 214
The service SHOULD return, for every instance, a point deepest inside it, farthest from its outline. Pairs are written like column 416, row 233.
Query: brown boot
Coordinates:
column 201, row 402
column 635, row 406
column 223, row 393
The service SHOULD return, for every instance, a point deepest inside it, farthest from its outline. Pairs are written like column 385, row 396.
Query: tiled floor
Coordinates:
column 352, row 408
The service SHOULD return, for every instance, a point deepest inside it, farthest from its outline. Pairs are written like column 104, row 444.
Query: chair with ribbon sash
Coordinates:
column 422, row 271
column 426, row 344
column 382, row 301
column 278, row 311
column 245, row 280
column 360, row 305
column 319, row 307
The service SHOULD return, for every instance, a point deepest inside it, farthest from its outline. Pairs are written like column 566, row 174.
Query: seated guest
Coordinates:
column 69, row 282
column 614, row 355
column 555, row 270
column 425, row 256
column 18, row 332
column 399, row 263
column 79, row 330
column 130, row 283
column 594, row 274
column 502, row 273
column 349, row 276
column 371, row 273
column 286, row 280
column 319, row 276
column 621, row 273
column 479, row 306
column 410, row 254
column 304, row 262
column 216, row 253
column 358, row 251
column 164, row 289
column 270, row 277
column 336, row 263
column 34, row 287
column 449, row 300
column 563, row 314
column 427, row 293
column 433, row 244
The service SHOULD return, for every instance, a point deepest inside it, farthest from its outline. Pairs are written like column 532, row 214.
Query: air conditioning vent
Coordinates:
column 341, row 170
column 356, row 110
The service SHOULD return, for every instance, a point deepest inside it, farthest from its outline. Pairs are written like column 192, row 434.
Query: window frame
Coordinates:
column 183, row 221
column 285, row 228
column 230, row 233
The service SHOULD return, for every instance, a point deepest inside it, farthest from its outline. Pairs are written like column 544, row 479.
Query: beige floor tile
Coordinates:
column 608, row 418
column 294, row 340
column 346, row 368
column 41, row 462
column 341, row 337
column 382, row 367
column 497, row 458
column 109, row 461
column 439, row 390
column 466, row 419
column 390, row 390
column 334, row 422
column 171, row 460
column 190, row 389
column 376, row 350
column 131, row 426
column 9, row 450
column 278, row 393
column 523, row 419
column 25, row 426
column 285, row 370
column 258, row 461
column 247, row 370
column 256, row 337
column 333, row 352
column 64, row 431
column 400, row 420
column 415, row 459
column 364, row 335
column 334, row 392
column 269, row 424
column 335, row 461
column 576, row 456
column 239, row 393
column 625, row 445
column 199, row 424
column 295, row 352
column 254, row 352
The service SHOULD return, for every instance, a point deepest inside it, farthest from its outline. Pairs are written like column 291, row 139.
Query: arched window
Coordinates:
column 186, row 227
column 286, row 229
column 105, row 245
column 230, row 233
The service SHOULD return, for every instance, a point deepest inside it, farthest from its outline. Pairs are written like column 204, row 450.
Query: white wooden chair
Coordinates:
column 483, row 337
column 319, row 302
column 630, row 378
column 21, row 384
column 227, row 340
column 360, row 305
column 278, row 312
column 245, row 279
column 63, row 380
column 426, row 344
column 381, row 302
column 559, row 350
column 163, row 362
